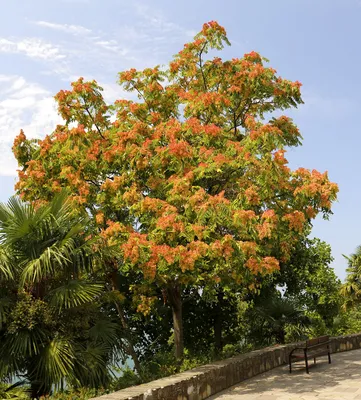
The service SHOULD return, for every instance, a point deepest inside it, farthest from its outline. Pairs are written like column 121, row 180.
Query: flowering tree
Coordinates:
column 189, row 181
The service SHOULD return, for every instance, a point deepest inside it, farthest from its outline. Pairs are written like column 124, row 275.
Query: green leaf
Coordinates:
column 74, row 294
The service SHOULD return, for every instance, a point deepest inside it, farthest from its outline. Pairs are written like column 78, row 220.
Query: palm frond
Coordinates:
column 74, row 294
column 6, row 264
column 5, row 305
column 110, row 335
column 26, row 343
column 91, row 365
column 56, row 361
column 46, row 264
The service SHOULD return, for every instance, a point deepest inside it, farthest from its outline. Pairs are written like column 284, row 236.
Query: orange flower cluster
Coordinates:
column 243, row 217
column 269, row 215
column 181, row 186
column 170, row 221
column 113, row 185
column 19, row 139
column 222, row 248
column 279, row 157
column 187, row 259
column 45, row 145
column 313, row 184
column 248, row 248
column 212, row 27
column 296, row 220
column 265, row 230
column 35, row 170
column 132, row 195
column 131, row 248
column 220, row 159
column 264, row 265
column 94, row 151
column 159, row 207
column 99, row 218
column 254, row 265
column 56, row 187
column 180, row 149
column 113, row 229
column 252, row 196
column 270, row 264
column 128, row 75
column 217, row 199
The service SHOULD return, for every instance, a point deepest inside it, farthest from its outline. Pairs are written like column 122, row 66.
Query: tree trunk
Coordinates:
column 218, row 329
column 218, row 323
column 38, row 390
column 129, row 343
column 175, row 300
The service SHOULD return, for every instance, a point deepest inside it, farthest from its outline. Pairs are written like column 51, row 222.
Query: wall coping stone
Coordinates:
column 204, row 381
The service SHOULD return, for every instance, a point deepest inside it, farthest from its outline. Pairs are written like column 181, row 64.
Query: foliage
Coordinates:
column 348, row 322
column 78, row 394
column 275, row 317
column 54, row 326
column 309, row 279
column 189, row 183
column 15, row 391
column 351, row 289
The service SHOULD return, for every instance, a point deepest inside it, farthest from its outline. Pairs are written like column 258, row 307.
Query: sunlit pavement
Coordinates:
column 339, row 380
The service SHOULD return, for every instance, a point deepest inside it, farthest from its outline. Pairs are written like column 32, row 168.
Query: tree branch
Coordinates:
column 201, row 67
column 93, row 121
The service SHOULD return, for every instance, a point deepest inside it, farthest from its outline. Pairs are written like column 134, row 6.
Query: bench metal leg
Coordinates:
column 306, row 362
column 314, row 360
column 329, row 358
column 290, row 362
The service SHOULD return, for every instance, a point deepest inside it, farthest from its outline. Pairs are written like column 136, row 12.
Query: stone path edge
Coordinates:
column 207, row 380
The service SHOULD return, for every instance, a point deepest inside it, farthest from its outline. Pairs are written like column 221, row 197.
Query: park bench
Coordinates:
column 313, row 348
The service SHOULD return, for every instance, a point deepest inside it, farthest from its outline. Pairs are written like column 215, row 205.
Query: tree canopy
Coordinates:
column 189, row 182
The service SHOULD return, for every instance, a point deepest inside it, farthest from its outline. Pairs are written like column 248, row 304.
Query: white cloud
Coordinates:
column 31, row 47
column 23, row 105
column 74, row 29
column 112, row 45
column 5, row 78
column 102, row 53
column 156, row 22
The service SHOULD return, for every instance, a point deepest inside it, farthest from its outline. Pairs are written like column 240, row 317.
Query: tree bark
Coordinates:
column 175, row 299
column 218, row 323
column 129, row 343
column 218, row 329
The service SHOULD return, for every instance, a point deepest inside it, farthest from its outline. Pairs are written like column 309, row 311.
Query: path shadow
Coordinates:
column 345, row 366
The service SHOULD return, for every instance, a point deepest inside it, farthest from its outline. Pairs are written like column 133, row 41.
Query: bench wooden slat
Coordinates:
column 316, row 347
column 311, row 342
column 323, row 339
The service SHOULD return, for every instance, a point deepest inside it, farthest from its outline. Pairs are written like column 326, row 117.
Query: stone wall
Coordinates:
column 202, row 382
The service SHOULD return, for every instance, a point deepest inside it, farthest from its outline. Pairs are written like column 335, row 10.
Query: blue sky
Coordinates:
column 44, row 45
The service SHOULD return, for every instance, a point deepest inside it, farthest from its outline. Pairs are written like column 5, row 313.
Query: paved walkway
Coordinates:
column 339, row 380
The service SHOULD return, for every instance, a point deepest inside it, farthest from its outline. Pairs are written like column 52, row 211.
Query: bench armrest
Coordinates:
column 297, row 348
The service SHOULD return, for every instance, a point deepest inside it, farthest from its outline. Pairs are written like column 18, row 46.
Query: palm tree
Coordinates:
column 53, row 323
column 351, row 289
column 271, row 316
